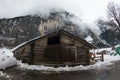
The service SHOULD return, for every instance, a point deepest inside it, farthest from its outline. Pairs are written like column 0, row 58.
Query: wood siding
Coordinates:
column 69, row 51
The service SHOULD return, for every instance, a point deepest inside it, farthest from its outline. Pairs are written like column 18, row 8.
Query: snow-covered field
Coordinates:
column 7, row 60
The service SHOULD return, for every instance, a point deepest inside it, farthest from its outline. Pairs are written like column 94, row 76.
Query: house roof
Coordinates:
column 57, row 32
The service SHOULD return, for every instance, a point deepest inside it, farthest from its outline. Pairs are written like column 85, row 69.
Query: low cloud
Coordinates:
column 14, row 8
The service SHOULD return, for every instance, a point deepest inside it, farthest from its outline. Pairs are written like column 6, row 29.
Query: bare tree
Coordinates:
column 114, row 13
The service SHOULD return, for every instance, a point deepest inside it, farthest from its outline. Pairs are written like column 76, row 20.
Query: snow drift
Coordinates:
column 6, row 58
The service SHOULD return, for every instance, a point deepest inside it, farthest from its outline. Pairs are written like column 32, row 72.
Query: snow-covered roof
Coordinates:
column 26, row 43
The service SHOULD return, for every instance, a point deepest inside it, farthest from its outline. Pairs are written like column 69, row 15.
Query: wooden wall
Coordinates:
column 32, row 52
column 80, row 49
column 69, row 40
column 39, row 52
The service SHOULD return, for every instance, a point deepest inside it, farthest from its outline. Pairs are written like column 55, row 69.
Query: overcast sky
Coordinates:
column 88, row 10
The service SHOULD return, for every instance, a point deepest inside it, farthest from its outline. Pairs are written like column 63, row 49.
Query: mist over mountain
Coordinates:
column 14, row 31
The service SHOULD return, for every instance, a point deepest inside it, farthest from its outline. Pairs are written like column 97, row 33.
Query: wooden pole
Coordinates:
column 102, row 57
column 75, row 54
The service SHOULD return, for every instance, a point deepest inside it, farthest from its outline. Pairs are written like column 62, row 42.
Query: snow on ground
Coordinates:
column 6, row 51
column 101, row 49
column 108, row 58
column 6, row 61
column 66, row 68
column 6, row 58
column 6, row 76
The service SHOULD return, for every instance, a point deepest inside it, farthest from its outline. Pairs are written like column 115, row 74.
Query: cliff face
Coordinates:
column 17, row 30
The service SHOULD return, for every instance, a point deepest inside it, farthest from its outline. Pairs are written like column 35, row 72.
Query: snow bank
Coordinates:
column 6, row 61
column 98, row 65
column 6, row 58
column 6, row 51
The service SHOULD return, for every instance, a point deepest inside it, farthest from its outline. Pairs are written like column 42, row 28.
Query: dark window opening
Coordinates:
column 54, row 40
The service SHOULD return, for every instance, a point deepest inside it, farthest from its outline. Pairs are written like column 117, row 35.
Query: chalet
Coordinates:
column 55, row 49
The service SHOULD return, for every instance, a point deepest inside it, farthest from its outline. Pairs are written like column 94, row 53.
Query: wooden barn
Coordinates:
column 56, row 49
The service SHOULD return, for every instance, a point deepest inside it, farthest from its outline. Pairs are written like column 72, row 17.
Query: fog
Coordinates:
column 82, row 8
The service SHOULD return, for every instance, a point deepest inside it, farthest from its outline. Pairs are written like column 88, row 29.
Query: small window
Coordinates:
column 54, row 40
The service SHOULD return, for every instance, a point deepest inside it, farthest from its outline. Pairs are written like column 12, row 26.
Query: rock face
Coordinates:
column 112, row 37
column 57, row 21
column 17, row 30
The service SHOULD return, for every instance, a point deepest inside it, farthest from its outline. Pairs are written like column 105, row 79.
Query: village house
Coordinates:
column 59, row 48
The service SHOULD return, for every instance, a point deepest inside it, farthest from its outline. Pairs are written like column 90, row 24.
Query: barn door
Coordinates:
column 60, row 54
column 53, row 53
column 69, row 54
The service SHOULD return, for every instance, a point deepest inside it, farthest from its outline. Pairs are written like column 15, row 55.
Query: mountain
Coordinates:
column 15, row 31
